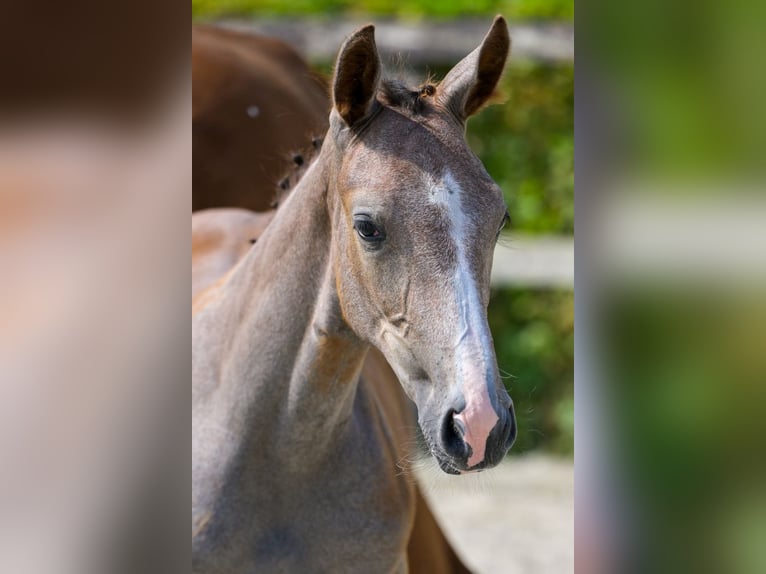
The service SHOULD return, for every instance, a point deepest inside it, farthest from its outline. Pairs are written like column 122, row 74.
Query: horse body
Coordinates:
column 309, row 504
column 295, row 445
column 254, row 100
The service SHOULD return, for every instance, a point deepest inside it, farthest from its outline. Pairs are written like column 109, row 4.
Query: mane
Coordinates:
column 397, row 94
column 300, row 163
column 393, row 93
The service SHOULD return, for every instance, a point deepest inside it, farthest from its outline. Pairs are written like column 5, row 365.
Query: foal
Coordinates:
column 387, row 241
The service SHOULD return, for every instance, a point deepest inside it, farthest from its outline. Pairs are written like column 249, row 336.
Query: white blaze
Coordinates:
column 472, row 342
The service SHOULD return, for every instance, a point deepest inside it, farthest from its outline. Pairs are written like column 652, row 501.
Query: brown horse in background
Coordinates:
column 254, row 100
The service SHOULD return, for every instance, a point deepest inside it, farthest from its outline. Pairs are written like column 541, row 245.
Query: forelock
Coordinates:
column 397, row 94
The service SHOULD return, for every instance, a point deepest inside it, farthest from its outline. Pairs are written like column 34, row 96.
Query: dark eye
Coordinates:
column 367, row 230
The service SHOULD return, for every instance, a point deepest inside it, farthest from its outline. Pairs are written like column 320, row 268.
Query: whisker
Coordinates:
column 506, row 240
column 505, row 374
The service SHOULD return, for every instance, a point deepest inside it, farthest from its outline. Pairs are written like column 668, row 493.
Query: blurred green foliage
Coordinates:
column 512, row 9
column 527, row 145
column 687, row 391
column 534, row 342
column 689, row 103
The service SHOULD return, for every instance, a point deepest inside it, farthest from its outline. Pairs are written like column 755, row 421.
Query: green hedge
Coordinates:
column 534, row 342
column 527, row 145
column 512, row 9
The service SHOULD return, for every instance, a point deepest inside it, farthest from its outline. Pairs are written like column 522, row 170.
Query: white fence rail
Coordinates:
column 545, row 261
column 420, row 42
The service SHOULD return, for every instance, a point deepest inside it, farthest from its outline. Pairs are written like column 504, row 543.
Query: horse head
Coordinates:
column 415, row 218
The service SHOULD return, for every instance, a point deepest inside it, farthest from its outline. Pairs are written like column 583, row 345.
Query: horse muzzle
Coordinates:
column 468, row 443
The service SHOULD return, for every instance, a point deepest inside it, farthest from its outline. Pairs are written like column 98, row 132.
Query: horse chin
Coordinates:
column 447, row 466
column 451, row 468
column 456, row 467
column 447, row 463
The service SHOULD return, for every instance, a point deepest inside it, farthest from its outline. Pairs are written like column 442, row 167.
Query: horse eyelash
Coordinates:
column 506, row 220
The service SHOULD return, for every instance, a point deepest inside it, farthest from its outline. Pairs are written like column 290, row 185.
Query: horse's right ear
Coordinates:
column 357, row 73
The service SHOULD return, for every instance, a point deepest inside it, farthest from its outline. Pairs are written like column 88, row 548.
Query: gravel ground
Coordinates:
column 517, row 518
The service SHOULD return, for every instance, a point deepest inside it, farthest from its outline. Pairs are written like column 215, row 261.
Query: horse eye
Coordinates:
column 367, row 230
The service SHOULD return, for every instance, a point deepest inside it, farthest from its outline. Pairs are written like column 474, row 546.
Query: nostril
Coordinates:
column 458, row 426
column 453, row 431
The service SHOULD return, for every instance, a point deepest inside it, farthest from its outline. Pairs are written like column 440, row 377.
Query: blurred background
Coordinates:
column 520, row 518
column 671, row 288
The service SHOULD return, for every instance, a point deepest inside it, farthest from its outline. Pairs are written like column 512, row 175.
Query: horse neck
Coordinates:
column 284, row 363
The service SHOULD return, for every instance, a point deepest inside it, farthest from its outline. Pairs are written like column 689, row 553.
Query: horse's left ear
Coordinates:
column 357, row 73
column 469, row 85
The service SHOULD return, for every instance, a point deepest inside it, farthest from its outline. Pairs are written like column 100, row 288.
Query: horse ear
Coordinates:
column 470, row 84
column 357, row 73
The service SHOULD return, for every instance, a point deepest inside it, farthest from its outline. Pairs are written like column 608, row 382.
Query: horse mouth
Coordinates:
column 456, row 467
column 447, row 466
column 446, row 463
column 451, row 468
